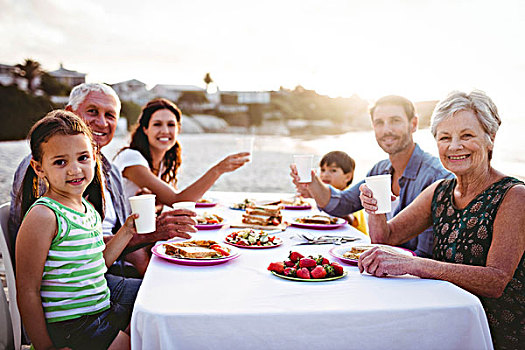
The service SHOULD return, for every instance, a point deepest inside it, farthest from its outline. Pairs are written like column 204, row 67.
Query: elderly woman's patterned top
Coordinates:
column 463, row 236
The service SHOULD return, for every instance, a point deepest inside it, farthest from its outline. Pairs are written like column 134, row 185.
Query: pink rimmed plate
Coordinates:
column 338, row 251
column 297, row 207
column 159, row 251
column 205, row 204
column 340, row 222
column 209, row 226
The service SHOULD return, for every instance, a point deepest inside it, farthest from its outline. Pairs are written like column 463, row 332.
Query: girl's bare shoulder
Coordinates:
column 40, row 217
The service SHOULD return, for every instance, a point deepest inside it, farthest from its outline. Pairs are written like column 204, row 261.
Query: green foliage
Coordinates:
column 53, row 87
column 130, row 111
column 191, row 97
column 20, row 111
column 29, row 70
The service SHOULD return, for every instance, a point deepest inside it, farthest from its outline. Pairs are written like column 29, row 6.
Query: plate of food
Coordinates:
column 243, row 205
column 350, row 253
column 252, row 239
column 207, row 221
column 205, row 203
column 307, row 268
column 195, row 252
column 296, row 203
column 318, row 222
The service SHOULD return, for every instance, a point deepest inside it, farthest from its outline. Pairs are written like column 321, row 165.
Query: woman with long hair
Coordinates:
column 154, row 155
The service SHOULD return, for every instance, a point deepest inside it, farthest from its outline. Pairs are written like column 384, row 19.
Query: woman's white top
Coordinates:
column 126, row 158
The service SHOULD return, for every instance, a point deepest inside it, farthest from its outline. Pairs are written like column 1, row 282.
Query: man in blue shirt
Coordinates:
column 394, row 121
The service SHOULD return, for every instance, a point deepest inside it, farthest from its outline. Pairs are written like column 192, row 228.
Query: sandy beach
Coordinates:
column 269, row 170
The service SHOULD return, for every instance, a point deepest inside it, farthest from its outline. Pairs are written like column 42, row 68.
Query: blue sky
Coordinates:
column 420, row 49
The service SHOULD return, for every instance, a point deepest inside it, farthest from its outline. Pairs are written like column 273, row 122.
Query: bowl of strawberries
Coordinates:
column 307, row 269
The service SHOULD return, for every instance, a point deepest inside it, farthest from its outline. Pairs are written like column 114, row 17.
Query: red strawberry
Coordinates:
column 289, row 263
column 303, row 273
column 337, row 268
column 321, row 260
column 318, row 272
column 294, row 256
column 307, row 262
column 290, row 271
column 277, row 267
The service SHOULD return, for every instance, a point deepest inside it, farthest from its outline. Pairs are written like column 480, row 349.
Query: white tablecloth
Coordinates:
column 240, row 305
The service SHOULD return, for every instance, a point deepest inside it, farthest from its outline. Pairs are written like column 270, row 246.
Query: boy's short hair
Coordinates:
column 340, row 159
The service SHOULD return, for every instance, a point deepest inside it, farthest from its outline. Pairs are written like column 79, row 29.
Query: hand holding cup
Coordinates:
column 376, row 195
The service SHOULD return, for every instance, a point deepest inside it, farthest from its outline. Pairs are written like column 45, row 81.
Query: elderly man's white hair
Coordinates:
column 79, row 93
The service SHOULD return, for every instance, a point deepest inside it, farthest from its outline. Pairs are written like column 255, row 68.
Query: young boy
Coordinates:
column 337, row 170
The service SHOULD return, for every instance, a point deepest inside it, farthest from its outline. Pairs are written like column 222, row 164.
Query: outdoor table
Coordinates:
column 241, row 305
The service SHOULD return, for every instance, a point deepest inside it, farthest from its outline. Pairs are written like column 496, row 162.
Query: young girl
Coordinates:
column 61, row 258
column 154, row 155
column 337, row 170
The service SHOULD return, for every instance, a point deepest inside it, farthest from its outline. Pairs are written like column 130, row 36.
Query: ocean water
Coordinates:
column 269, row 170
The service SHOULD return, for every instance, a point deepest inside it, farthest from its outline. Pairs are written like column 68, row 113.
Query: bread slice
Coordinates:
column 190, row 252
column 269, row 210
column 319, row 219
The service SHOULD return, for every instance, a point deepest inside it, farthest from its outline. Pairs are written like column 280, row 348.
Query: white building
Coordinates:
column 133, row 90
column 68, row 77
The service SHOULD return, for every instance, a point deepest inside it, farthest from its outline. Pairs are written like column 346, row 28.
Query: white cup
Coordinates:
column 184, row 205
column 144, row 205
column 245, row 144
column 380, row 187
column 304, row 165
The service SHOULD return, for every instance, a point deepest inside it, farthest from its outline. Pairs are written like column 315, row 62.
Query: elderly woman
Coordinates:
column 477, row 218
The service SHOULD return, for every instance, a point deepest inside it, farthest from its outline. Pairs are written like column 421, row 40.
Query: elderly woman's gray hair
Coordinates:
column 476, row 101
column 79, row 93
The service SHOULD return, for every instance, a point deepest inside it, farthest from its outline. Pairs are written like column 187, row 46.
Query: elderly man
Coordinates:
column 99, row 106
column 394, row 121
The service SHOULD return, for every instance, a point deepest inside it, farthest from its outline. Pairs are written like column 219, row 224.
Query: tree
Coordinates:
column 20, row 111
column 131, row 111
column 53, row 87
column 29, row 71
column 208, row 80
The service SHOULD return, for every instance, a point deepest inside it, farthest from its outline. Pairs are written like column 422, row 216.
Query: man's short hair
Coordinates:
column 79, row 93
column 408, row 106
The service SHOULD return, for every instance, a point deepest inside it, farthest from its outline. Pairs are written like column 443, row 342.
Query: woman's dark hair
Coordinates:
column 341, row 160
column 58, row 122
column 139, row 140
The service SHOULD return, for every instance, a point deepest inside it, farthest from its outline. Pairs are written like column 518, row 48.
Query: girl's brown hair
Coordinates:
column 58, row 122
column 139, row 140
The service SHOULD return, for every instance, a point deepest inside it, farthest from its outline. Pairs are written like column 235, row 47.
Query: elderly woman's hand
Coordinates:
column 232, row 162
column 368, row 201
column 382, row 261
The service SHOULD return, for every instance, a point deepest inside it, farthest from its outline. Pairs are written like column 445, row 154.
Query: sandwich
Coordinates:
column 200, row 249
column 355, row 252
column 297, row 201
column 318, row 220
column 263, row 215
